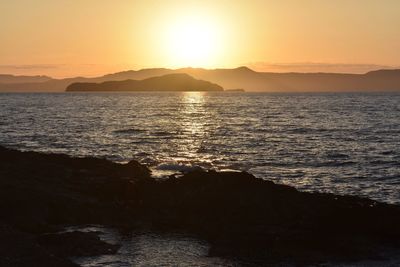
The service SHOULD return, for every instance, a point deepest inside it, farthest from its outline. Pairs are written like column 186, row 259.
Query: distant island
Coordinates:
column 168, row 82
column 242, row 77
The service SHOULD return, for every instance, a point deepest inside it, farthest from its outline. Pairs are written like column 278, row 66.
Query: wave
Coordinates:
column 337, row 156
column 129, row 131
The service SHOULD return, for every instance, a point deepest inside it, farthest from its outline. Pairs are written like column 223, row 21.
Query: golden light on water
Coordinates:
column 194, row 111
column 193, row 97
column 193, row 121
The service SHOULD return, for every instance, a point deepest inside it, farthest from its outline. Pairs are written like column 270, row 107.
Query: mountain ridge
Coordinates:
column 384, row 80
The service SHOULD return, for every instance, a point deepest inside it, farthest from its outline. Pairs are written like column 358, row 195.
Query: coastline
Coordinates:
column 238, row 214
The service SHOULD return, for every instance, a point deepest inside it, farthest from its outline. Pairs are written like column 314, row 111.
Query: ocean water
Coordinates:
column 144, row 249
column 340, row 143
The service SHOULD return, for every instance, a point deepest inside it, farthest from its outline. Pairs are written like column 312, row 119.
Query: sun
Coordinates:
column 192, row 41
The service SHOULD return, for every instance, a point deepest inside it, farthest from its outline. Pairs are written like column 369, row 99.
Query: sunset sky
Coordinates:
column 91, row 37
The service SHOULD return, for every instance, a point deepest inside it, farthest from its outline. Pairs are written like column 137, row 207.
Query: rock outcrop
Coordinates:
column 238, row 214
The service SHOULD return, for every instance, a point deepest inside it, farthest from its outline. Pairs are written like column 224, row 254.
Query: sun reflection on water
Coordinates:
column 193, row 117
column 193, row 112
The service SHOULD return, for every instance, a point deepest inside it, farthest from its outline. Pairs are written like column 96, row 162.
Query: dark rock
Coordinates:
column 242, row 215
column 38, row 190
column 134, row 167
column 237, row 213
column 76, row 244
column 18, row 249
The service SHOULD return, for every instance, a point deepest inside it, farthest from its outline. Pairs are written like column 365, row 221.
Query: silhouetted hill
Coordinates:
column 249, row 80
column 136, row 75
column 242, row 77
column 384, row 80
column 169, row 82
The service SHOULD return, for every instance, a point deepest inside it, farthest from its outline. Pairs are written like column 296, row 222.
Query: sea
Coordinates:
column 343, row 143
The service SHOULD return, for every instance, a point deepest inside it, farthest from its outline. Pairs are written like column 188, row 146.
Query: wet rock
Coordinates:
column 76, row 244
column 18, row 249
column 242, row 215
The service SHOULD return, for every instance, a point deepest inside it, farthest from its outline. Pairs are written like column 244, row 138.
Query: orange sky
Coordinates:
column 91, row 37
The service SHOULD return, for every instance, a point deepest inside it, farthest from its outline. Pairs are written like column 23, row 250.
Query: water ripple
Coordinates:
column 341, row 143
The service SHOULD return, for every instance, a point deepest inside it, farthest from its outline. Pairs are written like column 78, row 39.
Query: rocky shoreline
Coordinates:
column 238, row 214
